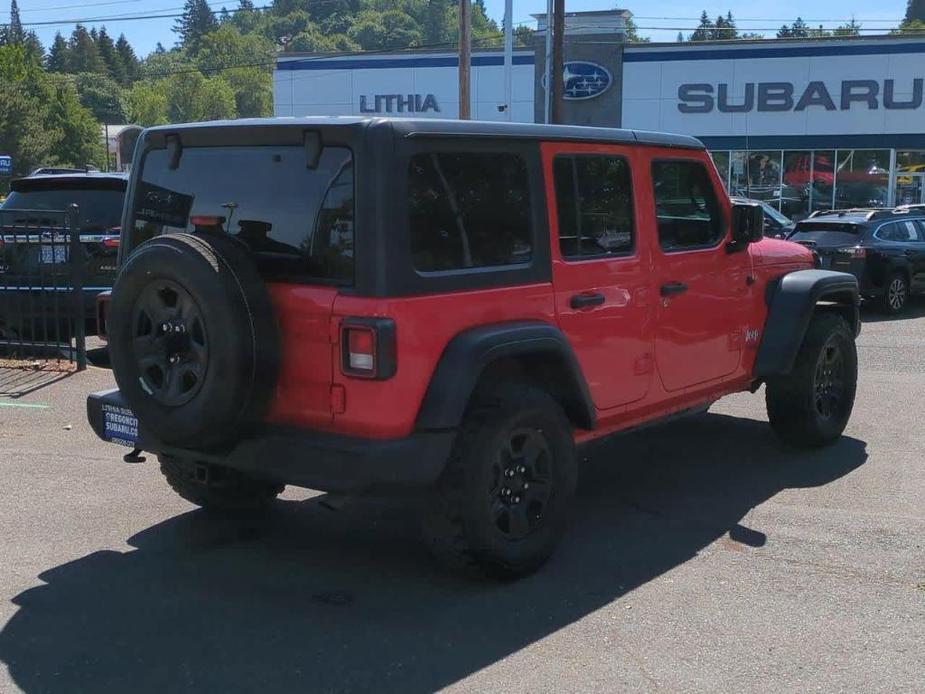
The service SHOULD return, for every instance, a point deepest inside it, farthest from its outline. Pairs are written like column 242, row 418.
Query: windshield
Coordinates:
column 772, row 212
column 100, row 210
column 296, row 221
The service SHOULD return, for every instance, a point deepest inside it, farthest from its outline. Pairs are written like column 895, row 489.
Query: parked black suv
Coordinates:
column 884, row 249
column 34, row 268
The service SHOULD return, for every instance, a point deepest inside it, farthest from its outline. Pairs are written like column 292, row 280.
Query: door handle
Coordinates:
column 586, row 300
column 673, row 288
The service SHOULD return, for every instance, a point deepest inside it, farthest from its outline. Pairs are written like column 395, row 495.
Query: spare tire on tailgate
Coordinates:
column 192, row 338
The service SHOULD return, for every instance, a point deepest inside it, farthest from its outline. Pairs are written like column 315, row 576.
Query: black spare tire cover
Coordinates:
column 193, row 340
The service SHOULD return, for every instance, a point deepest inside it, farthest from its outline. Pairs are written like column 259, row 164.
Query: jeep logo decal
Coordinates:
column 583, row 80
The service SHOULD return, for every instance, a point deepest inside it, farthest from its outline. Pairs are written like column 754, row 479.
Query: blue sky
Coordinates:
column 659, row 19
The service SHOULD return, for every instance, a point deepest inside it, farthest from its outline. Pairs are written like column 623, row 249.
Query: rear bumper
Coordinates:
column 300, row 457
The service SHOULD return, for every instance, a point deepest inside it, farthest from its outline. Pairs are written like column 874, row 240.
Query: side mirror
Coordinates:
column 747, row 225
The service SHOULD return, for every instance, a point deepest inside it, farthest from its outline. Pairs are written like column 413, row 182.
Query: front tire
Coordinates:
column 217, row 489
column 810, row 406
column 507, row 492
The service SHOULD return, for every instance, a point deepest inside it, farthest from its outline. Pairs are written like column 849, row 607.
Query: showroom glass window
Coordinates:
column 796, row 185
column 822, row 195
column 910, row 177
column 757, row 175
column 862, row 178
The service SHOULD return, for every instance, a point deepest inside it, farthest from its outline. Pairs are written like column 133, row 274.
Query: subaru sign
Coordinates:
column 583, row 80
column 6, row 165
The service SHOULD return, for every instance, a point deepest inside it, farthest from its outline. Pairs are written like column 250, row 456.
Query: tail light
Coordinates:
column 111, row 243
column 368, row 348
column 854, row 251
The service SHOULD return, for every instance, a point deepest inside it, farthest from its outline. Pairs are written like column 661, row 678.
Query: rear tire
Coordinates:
column 222, row 491
column 507, row 492
column 896, row 294
column 810, row 406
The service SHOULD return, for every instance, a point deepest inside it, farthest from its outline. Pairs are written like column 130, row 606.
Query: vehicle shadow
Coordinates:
column 871, row 313
column 313, row 599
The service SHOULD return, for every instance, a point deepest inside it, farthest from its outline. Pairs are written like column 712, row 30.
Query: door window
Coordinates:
column 899, row 231
column 686, row 207
column 594, row 203
column 468, row 210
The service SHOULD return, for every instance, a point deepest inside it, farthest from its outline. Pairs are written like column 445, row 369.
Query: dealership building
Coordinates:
column 806, row 125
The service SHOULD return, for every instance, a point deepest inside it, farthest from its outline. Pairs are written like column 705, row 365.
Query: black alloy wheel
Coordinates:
column 896, row 293
column 170, row 343
column 830, row 379
column 521, row 484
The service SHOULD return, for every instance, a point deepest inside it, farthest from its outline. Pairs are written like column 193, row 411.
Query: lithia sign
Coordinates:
column 399, row 103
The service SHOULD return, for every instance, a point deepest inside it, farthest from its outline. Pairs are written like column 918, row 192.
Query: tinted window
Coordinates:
column 100, row 210
column 468, row 210
column 685, row 205
column 898, row 231
column 298, row 222
column 594, row 201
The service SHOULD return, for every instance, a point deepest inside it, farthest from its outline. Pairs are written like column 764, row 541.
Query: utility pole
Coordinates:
column 558, row 60
column 465, row 57
column 508, row 56
column 547, row 93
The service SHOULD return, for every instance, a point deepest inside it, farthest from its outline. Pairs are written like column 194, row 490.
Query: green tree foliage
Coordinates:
column 244, row 62
column 83, row 55
column 704, row 29
column 80, row 139
column 58, row 55
column 852, row 28
column 130, row 63
column 193, row 97
column 146, row 103
column 801, row 30
column 41, row 118
column 390, row 29
column 915, row 11
column 197, row 21
column 102, row 96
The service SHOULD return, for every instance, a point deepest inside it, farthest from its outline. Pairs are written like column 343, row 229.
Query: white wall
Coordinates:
column 337, row 89
column 650, row 89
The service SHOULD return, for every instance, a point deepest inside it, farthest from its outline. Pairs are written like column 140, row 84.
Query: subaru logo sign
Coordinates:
column 583, row 80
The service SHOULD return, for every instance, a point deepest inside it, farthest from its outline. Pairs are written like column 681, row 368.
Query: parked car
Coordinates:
column 450, row 306
column 777, row 225
column 35, row 271
column 884, row 249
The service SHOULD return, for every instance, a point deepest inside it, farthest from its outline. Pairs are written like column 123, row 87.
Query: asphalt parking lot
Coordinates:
column 704, row 557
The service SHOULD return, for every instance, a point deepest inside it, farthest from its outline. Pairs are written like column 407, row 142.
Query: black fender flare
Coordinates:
column 792, row 300
column 469, row 353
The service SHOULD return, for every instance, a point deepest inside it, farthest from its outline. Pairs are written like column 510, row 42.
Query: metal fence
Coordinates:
column 42, row 311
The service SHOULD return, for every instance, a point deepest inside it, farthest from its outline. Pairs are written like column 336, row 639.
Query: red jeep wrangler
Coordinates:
column 354, row 304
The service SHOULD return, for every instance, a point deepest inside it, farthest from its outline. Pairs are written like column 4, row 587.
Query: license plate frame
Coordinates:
column 120, row 425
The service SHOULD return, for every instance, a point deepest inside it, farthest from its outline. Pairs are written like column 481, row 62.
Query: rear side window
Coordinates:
column 297, row 222
column 686, row 207
column 594, row 202
column 841, row 228
column 99, row 210
column 899, row 231
column 468, row 210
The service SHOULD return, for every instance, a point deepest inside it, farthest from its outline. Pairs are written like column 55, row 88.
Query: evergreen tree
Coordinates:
column 83, row 53
column 13, row 33
column 915, row 11
column 680, row 38
column 108, row 55
column 130, row 63
column 197, row 21
column 852, row 28
column 704, row 30
column 58, row 55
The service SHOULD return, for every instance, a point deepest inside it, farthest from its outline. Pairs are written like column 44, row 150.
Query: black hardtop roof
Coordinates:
column 87, row 180
column 431, row 127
